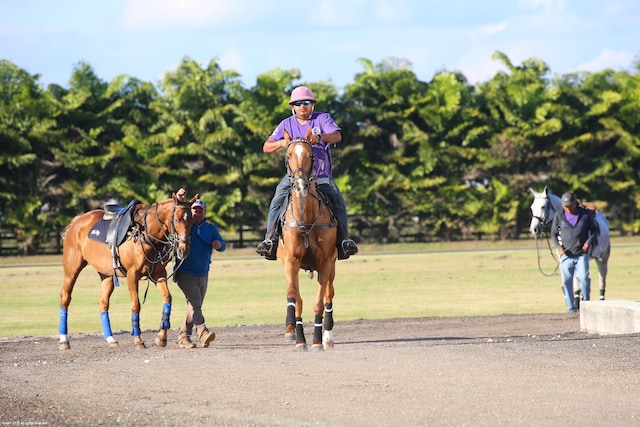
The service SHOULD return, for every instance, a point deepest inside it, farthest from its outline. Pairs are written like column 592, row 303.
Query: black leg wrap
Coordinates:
column 317, row 328
column 300, row 331
column 328, row 317
column 291, row 311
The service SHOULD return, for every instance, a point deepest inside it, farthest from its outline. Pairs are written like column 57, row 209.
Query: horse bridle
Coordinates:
column 293, row 173
column 544, row 220
column 545, row 229
column 171, row 238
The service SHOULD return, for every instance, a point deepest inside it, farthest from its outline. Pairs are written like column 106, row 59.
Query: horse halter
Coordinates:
column 171, row 239
column 300, row 177
column 545, row 219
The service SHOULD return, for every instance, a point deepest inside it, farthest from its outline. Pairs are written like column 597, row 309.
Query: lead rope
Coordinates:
column 557, row 262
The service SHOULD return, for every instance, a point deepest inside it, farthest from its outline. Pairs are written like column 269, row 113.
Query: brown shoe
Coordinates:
column 186, row 343
column 206, row 338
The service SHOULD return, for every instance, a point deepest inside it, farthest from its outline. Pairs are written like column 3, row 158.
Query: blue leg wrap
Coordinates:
column 62, row 328
column 135, row 324
column 166, row 316
column 106, row 324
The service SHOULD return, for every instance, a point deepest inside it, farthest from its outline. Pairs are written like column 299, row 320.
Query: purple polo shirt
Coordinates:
column 321, row 123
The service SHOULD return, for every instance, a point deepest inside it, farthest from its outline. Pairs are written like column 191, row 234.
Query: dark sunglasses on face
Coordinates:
column 299, row 103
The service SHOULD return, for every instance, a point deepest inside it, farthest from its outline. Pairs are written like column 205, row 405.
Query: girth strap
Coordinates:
column 313, row 226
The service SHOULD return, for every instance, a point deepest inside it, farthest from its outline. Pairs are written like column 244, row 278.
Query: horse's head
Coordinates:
column 542, row 211
column 299, row 163
column 181, row 225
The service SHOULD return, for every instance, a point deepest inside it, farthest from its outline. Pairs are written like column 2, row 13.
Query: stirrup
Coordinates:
column 349, row 247
column 266, row 248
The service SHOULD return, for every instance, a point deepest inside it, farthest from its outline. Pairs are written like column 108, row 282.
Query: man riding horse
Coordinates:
column 324, row 133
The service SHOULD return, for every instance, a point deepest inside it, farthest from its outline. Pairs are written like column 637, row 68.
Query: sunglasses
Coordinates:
column 299, row 103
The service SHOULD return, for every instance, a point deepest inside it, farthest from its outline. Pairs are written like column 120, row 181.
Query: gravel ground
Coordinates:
column 481, row 371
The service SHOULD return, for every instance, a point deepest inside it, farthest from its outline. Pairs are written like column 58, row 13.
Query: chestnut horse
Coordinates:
column 159, row 233
column 308, row 241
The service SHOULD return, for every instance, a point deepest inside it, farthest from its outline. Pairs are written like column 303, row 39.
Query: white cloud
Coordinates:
column 608, row 58
column 488, row 30
column 326, row 13
column 187, row 14
column 389, row 11
column 548, row 6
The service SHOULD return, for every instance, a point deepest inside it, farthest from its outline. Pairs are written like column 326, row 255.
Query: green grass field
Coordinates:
column 385, row 281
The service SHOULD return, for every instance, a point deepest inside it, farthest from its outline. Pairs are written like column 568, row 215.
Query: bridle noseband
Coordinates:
column 305, row 172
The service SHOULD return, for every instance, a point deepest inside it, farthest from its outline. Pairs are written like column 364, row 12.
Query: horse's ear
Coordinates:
column 532, row 191
column 194, row 198
column 287, row 137
column 309, row 133
column 546, row 190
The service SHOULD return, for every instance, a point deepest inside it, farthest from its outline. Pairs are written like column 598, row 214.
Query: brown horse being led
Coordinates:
column 159, row 234
column 308, row 241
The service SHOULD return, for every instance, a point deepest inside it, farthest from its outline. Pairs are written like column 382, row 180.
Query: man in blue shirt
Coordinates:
column 193, row 274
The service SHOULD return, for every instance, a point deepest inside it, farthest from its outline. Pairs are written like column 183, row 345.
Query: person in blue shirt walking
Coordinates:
column 192, row 275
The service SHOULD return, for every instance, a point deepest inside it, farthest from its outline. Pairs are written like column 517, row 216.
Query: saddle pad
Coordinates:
column 99, row 231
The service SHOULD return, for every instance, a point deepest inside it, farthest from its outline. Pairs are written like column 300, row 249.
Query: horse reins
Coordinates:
column 304, row 228
column 171, row 240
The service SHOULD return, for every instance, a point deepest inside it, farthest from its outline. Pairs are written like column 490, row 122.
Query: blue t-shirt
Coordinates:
column 199, row 258
column 320, row 123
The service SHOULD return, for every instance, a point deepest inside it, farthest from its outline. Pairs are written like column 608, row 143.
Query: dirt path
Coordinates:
column 498, row 370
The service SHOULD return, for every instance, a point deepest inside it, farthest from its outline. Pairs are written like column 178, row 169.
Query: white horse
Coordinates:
column 543, row 208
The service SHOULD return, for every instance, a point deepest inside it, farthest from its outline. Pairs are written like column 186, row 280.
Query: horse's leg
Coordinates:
column 165, row 323
column 603, row 269
column 133, row 277
column 73, row 265
column 318, row 310
column 327, row 337
column 323, row 295
column 105, row 296
column 294, row 301
column 290, row 321
column 576, row 290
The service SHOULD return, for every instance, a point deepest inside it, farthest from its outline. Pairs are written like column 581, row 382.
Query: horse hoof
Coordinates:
column 289, row 336
column 114, row 344
column 64, row 345
column 317, row 347
column 140, row 345
column 327, row 340
column 301, row 347
column 161, row 342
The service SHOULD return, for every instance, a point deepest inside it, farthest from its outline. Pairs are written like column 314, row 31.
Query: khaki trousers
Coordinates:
column 194, row 289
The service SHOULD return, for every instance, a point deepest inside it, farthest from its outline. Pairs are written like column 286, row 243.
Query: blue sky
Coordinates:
column 323, row 39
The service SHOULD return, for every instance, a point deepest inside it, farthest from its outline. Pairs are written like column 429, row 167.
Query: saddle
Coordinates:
column 283, row 211
column 117, row 233
column 119, row 227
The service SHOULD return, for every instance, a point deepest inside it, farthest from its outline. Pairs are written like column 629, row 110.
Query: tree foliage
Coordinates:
column 441, row 159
